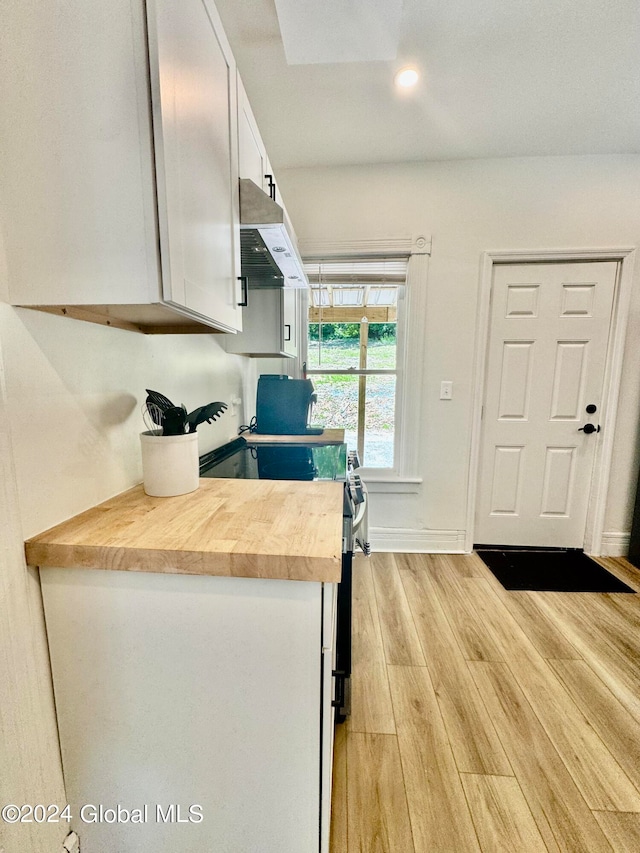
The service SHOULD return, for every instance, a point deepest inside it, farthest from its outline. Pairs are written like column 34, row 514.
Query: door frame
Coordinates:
column 601, row 471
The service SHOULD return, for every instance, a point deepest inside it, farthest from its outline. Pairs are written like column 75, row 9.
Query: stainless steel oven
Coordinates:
column 314, row 461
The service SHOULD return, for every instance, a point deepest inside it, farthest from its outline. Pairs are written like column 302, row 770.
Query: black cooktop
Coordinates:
column 239, row 459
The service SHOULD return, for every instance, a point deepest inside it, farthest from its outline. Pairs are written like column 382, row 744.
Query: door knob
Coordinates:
column 589, row 428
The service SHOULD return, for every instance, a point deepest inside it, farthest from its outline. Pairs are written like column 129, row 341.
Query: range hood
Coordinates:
column 269, row 257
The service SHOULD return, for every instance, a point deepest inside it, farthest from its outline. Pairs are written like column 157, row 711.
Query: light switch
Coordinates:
column 446, row 390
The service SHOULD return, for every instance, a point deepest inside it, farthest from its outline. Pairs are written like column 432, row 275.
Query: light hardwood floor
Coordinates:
column 488, row 720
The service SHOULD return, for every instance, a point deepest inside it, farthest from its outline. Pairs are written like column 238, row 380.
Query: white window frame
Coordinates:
column 403, row 477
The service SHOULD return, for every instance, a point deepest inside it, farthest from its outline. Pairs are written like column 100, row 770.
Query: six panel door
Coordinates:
column 548, row 338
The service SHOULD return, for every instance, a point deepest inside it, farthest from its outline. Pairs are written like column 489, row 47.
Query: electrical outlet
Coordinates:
column 446, row 390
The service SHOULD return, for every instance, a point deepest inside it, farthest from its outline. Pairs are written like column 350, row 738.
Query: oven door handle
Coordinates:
column 360, row 524
column 357, row 519
column 362, row 508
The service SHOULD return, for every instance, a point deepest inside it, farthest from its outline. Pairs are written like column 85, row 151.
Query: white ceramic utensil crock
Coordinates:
column 169, row 463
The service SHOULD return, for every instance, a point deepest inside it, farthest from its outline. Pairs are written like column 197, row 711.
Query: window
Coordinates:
column 352, row 352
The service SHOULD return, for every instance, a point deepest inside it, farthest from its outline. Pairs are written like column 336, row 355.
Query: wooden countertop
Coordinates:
column 237, row 528
column 329, row 436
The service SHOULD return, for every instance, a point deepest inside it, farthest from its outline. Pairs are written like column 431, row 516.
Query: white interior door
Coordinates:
column 548, row 338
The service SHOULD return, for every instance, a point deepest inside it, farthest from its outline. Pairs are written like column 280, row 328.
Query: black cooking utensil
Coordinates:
column 154, row 398
column 207, row 413
column 174, row 421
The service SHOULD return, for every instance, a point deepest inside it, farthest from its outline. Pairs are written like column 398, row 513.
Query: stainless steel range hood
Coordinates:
column 268, row 250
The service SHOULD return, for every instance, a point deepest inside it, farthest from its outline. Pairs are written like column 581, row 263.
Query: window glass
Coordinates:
column 381, row 346
column 334, row 345
column 380, row 416
column 337, row 406
column 352, row 350
column 337, row 346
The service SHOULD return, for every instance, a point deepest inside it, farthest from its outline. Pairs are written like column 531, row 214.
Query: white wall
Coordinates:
column 74, row 396
column 29, row 756
column 469, row 207
column 70, row 397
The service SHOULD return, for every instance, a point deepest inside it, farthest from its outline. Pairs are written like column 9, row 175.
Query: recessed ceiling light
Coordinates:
column 406, row 78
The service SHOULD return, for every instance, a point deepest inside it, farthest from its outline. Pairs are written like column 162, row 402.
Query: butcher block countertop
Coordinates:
column 236, row 528
column 328, row 436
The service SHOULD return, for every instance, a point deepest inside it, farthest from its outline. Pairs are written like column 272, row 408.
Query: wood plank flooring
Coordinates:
column 488, row 720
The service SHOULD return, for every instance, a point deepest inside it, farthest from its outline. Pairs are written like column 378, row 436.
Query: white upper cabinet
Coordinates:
column 290, row 299
column 270, row 324
column 273, row 188
column 253, row 161
column 119, row 164
column 253, row 158
column 193, row 87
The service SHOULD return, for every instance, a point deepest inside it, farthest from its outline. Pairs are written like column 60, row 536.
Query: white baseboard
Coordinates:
column 614, row 544
column 407, row 540
column 403, row 539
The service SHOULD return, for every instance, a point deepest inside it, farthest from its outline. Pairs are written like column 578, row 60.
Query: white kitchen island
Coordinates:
column 180, row 685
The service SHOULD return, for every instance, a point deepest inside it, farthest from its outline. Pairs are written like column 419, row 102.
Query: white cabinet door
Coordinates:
column 80, row 207
column 329, row 623
column 269, row 326
column 190, row 689
column 290, row 321
column 253, row 159
column 78, row 213
column 272, row 185
column 252, row 156
column 193, row 86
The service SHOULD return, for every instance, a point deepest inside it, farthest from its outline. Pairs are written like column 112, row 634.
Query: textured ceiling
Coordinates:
column 500, row 79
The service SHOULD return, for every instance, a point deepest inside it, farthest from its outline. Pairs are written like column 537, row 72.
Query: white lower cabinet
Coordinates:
column 330, row 607
column 209, row 695
column 270, row 325
column 120, row 163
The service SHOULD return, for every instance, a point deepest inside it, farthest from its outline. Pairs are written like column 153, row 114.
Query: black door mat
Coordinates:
column 549, row 571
